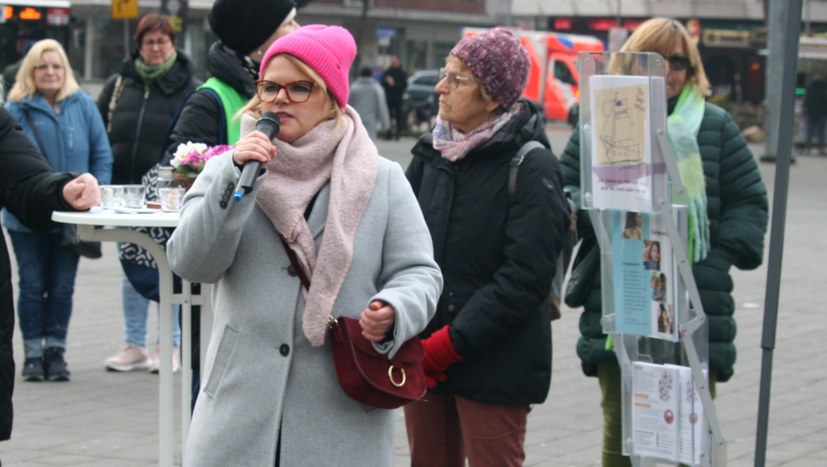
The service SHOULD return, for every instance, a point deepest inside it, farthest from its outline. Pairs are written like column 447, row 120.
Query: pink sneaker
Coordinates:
column 130, row 358
column 155, row 361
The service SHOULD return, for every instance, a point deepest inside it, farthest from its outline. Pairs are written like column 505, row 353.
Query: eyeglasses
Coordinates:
column 46, row 66
column 679, row 63
column 152, row 43
column 453, row 78
column 297, row 91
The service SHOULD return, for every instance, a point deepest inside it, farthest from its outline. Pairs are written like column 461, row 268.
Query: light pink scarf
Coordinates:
column 341, row 152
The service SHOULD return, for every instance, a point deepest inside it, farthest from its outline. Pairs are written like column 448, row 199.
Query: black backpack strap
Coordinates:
column 517, row 160
column 222, row 121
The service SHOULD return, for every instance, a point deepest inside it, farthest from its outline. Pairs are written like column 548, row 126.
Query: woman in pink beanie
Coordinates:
column 270, row 394
column 488, row 348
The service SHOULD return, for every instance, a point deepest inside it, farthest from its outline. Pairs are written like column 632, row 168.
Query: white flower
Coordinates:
column 185, row 149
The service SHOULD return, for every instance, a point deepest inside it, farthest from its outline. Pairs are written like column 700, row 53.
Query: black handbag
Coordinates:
column 69, row 240
column 69, row 236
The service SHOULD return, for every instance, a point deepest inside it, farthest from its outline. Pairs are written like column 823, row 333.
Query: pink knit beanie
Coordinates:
column 328, row 50
column 498, row 61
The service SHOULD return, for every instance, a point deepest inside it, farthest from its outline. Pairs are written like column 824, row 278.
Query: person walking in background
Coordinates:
column 395, row 82
column 368, row 99
column 815, row 109
column 245, row 29
column 488, row 348
column 728, row 207
column 30, row 190
column 137, row 104
column 63, row 122
column 271, row 395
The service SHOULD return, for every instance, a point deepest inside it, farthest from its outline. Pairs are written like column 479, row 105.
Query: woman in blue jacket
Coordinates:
column 65, row 124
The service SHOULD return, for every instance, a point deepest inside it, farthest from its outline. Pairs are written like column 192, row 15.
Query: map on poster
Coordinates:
column 624, row 161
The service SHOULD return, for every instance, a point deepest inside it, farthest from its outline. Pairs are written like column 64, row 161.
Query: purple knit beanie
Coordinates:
column 498, row 61
column 328, row 50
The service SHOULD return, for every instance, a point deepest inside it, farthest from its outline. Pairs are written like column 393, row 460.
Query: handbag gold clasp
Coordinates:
column 390, row 376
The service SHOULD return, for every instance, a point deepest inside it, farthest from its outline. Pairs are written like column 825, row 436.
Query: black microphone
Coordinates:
column 269, row 125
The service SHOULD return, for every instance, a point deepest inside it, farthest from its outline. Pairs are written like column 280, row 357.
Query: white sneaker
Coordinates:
column 130, row 358
column 155, row 361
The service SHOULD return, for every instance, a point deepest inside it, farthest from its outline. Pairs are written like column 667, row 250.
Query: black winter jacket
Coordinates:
column 737, row 210
column 200, row 119
column 497, row 254
column 142, row 115
column 31, row 191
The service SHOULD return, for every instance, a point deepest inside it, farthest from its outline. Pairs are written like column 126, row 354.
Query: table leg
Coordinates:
column 165, row 402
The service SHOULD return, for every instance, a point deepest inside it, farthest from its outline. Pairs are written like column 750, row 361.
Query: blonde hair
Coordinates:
column 24, row 85
column 661, row 35
column 253, row 107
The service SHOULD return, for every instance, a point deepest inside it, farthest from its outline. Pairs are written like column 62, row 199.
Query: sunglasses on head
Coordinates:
column 679, row 62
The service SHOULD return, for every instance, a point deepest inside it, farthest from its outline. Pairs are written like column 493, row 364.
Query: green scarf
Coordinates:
column 152, row 73
column 682, row 127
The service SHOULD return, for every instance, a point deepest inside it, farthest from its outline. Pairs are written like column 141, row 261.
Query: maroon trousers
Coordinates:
column 445, row 430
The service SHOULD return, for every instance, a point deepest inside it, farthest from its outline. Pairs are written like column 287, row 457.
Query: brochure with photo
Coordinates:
column 646, row 283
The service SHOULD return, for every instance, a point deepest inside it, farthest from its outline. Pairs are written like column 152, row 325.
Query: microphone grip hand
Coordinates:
column 268, row 124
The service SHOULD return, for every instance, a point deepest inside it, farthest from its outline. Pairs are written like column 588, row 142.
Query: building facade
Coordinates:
column 731, row 33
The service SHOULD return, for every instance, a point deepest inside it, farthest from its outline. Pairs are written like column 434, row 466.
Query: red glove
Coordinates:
column 439, row 352
column 432, row 379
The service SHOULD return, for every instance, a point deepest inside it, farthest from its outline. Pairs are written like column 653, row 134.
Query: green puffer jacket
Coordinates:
column 737, row 208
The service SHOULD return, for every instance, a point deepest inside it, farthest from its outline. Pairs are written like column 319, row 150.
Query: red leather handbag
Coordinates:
column 370, row 377
column 366, row 375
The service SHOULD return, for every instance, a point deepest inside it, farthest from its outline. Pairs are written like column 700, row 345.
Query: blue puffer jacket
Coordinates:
column 73, row 141
column 737, row 209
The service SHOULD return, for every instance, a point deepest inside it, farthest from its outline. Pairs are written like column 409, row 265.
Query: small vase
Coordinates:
column 183, row 180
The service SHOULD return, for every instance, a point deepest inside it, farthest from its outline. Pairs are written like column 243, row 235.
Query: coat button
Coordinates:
column 291, row 271
column 284, row 350
column 452, row 308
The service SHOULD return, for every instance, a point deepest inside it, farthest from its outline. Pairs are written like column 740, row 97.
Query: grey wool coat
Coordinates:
column 262, row 379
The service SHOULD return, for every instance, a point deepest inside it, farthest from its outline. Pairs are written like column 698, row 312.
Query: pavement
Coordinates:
column 111, row 419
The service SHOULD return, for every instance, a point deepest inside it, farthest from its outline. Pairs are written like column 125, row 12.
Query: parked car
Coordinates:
column 421, row 101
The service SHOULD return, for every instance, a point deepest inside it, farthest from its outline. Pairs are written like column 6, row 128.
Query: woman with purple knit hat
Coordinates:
column 270, row 395
column 488, row 349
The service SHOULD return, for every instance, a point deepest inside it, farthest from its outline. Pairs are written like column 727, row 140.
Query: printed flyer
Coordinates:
column 645, row 279
column 624, row 162
column 667, row 416
column 655, row 405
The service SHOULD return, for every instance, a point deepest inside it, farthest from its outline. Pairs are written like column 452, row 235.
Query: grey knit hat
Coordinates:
column 498, row 61
column 244, row 25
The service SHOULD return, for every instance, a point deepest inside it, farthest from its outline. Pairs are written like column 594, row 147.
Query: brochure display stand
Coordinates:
column 652, row 311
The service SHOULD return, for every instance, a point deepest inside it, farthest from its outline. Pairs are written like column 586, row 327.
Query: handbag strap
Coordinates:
column 295, row 262
column 113, row 101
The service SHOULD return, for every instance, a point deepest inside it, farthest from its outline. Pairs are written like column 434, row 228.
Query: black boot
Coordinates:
column 33, row 369
column 55, row 365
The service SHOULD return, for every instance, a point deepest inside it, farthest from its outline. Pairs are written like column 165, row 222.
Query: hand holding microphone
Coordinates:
column 269, row 125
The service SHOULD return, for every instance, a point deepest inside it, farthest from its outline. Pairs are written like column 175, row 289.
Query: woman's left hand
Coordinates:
column 376, row 320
